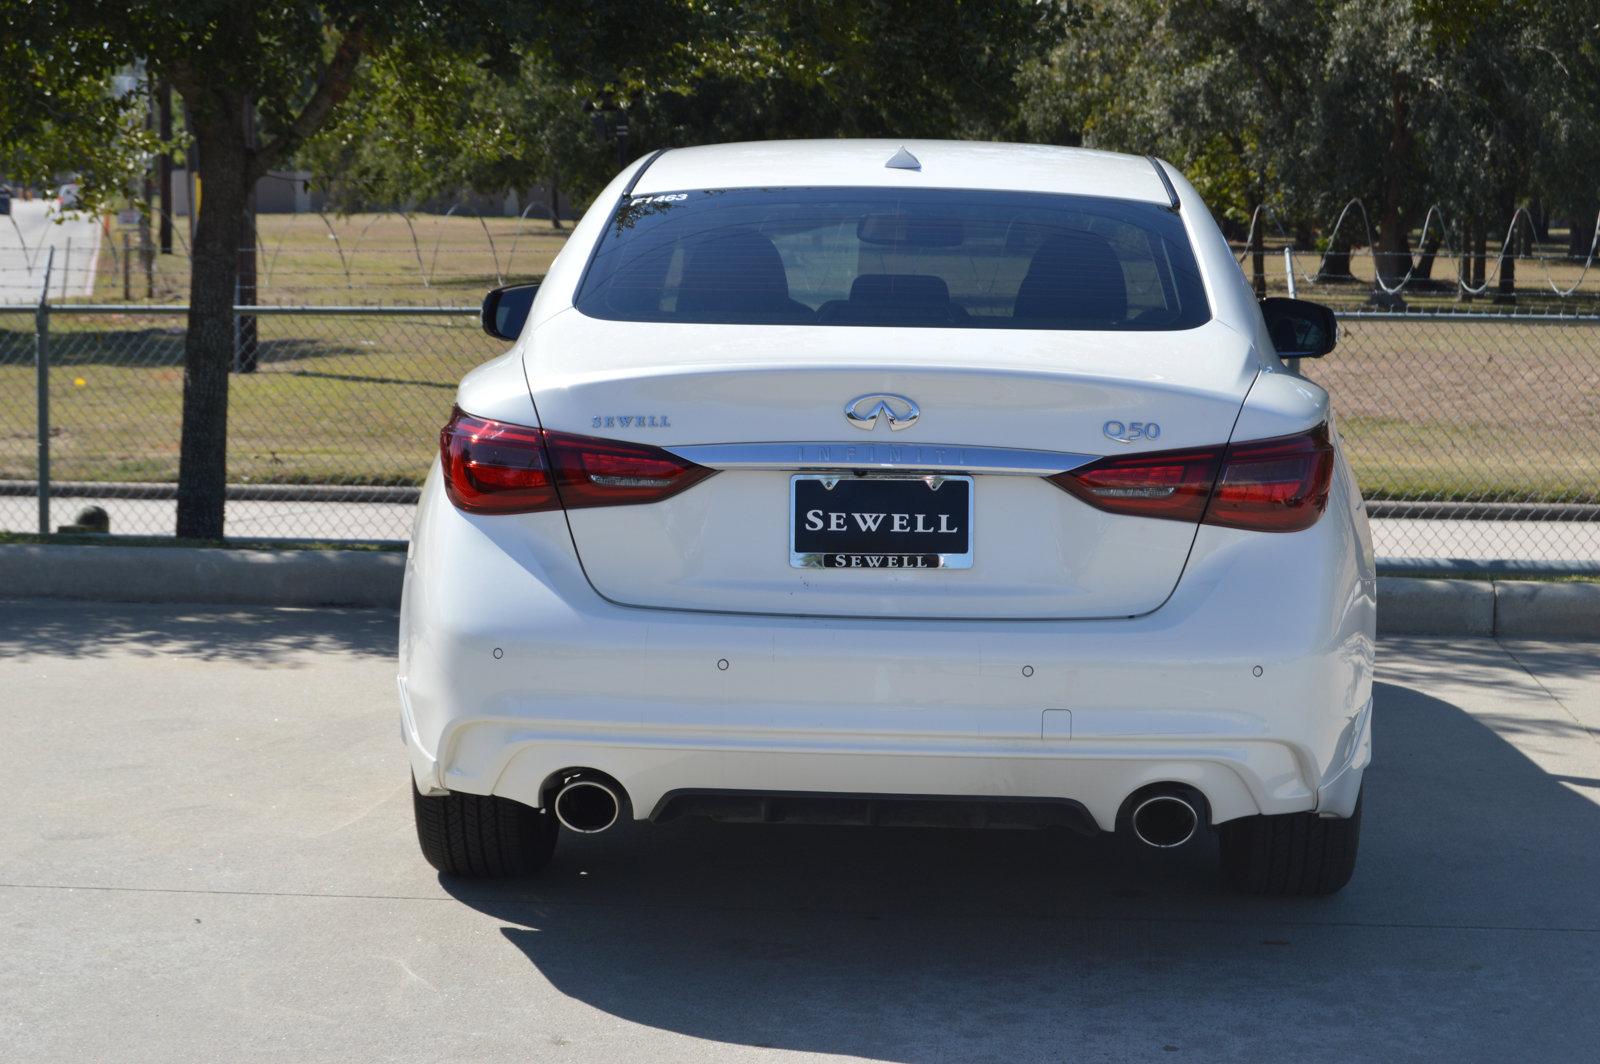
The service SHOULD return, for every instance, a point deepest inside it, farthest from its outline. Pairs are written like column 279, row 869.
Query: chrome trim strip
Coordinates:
column 930, row 457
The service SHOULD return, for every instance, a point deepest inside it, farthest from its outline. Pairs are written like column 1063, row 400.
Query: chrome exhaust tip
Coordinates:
column 586, row 806
column 1164, row 821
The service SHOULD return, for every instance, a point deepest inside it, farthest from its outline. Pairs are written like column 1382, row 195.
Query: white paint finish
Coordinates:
column 499, row 390
column 932, row 705
column 1041, row 390
column 1038, row 551
column 945, row 164
column 881, row 682
column 1232, row 300
column 1280, row 404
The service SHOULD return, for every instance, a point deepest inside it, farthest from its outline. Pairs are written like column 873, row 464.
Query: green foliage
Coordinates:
column 427, row 126
column 1475, row 104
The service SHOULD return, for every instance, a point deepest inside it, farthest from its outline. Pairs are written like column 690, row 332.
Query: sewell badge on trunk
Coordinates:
column 880, row 522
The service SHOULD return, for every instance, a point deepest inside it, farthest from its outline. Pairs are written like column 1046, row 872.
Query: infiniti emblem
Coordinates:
column 864, row 411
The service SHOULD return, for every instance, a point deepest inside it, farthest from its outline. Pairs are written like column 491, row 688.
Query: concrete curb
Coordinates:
column 1412, row 606
column 198, row 574
column 1523, row 609
column 1514, row 609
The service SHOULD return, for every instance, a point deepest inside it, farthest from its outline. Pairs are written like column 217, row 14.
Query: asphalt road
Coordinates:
column 208, row 855
column 25, row 235
column 1556, row 541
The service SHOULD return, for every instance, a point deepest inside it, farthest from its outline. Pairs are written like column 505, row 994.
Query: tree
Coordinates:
column 1201, row 82
column 749, row 70
column 1523, row 84
column 259, row 79
column 431, row 126
column 1477, row 104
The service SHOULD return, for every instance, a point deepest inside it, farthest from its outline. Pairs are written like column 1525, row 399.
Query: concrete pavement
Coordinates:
column 25, row 237
column 208, row 855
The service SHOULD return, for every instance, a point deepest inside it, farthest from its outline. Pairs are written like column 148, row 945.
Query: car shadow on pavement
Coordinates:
column 248, row 634
column 1470, row 931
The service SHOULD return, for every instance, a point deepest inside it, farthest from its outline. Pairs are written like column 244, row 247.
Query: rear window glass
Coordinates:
column 933, row 257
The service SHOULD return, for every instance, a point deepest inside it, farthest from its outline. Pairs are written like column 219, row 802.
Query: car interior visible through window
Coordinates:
column 891, row 257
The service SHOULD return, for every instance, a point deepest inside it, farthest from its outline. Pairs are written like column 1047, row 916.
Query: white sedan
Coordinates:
column 894, row 483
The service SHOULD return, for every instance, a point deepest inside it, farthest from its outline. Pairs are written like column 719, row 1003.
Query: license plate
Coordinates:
column 873, row 522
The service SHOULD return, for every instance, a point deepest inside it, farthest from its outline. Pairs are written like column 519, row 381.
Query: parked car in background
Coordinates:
column 881, row 483
column 5, row 199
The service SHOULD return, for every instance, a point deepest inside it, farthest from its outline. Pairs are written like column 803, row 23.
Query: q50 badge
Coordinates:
column 1131, row 431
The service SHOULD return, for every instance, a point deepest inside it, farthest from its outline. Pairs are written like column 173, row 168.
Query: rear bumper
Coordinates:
column 513, row 669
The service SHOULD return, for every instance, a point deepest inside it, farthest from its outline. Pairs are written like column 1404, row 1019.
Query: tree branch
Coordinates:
column 333, row 85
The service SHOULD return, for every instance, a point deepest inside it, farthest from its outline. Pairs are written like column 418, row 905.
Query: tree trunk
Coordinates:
column 1506, row 291
column 245, row 342
column 1541, row 222
column 1391, row 260
column 1392, row 256
column 1335, row 264
column 1480, row 253
column 1580, row 234
column 555, row 202
column 1468, row 234
column 164, row 164
column 208, row 343
column 1430, row 251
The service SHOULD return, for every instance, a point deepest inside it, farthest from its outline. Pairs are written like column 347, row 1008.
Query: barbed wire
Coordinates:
column 1452, row 252
column 360, row 262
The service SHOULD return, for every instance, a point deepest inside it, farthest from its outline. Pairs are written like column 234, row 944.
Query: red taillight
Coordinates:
column 1276, row 485
column 1170, row 484
column 491, row 467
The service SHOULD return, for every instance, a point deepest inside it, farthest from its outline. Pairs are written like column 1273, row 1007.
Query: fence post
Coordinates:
column 127, row 271
column 41, row 361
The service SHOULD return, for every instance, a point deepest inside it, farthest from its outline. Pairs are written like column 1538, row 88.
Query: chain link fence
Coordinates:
column 1474, row 437
column 328, row 438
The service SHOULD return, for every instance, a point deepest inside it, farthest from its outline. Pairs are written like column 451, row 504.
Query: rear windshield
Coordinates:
column 926, row 257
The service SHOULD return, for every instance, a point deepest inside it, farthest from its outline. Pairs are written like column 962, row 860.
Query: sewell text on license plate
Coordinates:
column 880, row 522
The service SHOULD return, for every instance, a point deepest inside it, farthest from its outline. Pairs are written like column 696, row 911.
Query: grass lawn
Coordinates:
column 367, row 259
column 1480, row 410
column 1429, row 409
column 342, row 400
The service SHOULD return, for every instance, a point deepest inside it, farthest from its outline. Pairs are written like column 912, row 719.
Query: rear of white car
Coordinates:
column 963, row 489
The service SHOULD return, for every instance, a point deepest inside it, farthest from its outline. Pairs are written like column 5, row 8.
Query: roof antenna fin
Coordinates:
column 903, row 160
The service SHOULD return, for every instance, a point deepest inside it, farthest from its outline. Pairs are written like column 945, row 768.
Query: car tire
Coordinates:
column 1291, row 854
column 482, row 836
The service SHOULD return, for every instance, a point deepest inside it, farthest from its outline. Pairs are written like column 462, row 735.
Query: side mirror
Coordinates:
column 1300, row 328
column 506, row 309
